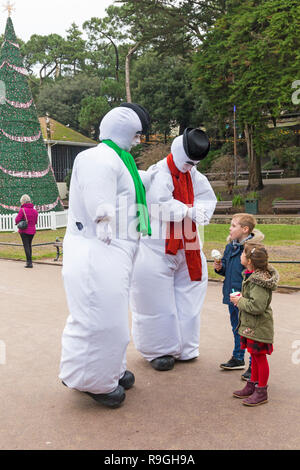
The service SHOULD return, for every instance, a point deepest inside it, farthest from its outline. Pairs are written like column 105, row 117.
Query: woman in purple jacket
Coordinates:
column 27, row 234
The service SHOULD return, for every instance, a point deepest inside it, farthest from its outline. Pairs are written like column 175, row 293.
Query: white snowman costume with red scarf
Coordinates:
column 165, row 302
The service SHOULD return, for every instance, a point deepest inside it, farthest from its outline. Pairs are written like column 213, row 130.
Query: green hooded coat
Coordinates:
column 255, row 312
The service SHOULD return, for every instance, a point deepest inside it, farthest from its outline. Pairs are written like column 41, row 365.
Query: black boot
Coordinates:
column 127, row 380
column 247, row 374
column 112, row 400
column 28, row 265
column 163, row 363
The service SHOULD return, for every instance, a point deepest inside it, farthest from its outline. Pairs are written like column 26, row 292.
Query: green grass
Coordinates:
column 64, row 133
column 282, row 242
column 277, row 238
column 40, row 252
column 274, row 234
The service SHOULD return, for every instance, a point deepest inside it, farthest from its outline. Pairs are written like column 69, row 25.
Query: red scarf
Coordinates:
column 184, row 192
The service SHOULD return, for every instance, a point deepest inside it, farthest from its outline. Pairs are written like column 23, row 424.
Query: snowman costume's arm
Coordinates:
column 161, row 202
column 98, row 181
column 161, row 190
column 204, row 199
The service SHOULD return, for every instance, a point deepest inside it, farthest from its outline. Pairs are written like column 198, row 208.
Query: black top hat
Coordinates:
column 195, row 143
column 142, row 114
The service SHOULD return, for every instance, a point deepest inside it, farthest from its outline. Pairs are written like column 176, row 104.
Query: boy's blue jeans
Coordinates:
column 238, row 353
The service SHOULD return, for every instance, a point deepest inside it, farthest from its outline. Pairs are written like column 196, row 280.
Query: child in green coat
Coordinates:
column 256, row 320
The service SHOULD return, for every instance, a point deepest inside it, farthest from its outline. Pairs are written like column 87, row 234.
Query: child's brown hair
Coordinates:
column 245, row 220
column 258, row 256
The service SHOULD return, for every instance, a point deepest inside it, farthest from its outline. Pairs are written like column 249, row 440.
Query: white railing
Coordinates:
column 7, row 223
column 46, row 221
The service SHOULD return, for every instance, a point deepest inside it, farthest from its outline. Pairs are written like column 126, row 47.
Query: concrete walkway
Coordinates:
column 188, row 408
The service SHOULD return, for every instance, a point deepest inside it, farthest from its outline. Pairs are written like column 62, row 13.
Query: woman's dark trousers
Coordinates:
column 27, row 242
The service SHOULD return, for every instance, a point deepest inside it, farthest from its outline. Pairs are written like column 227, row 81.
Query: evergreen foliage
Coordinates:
column 24, row 161
column 192, row 61
column 249, row 59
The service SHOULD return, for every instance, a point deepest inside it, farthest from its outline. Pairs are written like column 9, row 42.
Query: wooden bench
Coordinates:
column 58, row 245
column 214, row 176
column 266, row 173
column 288, row 205
column 245, row 174
column 224, row 205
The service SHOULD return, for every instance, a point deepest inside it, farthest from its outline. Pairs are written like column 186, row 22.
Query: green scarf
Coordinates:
column 142, row 213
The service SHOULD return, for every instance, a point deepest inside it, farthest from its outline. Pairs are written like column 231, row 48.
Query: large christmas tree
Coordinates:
column 24, row 163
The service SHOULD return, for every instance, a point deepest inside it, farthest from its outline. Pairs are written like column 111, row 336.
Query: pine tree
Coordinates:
column 24, row 163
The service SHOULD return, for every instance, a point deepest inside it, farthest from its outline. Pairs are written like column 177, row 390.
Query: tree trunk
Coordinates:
column 41, row 74
column 116, row 54
column 57, row 70
column 182, row 127
column 255, row 181
column 127, row 71
column 117, row 60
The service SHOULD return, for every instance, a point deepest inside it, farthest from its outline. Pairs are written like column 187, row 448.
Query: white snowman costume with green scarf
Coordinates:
column 100, row 246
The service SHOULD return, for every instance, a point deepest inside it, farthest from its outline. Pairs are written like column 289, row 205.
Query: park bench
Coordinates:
column 224, row 206
column 213, row 176
column 245, row 174
column 266, row 173
column 58, row 245
column 287, row 205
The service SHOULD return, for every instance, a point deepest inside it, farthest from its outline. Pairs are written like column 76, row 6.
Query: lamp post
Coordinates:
column 234, row 145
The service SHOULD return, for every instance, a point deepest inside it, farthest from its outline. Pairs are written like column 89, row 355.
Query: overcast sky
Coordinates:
column 50, row 16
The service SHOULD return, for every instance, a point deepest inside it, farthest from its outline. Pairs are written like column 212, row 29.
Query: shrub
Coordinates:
column 252, row 195
column 224, row 167
column 150, row 154
column 284, row 157
column 238, row 200
column 278, row 199
column 137, row 151
column 205, row 165
column 68, row 179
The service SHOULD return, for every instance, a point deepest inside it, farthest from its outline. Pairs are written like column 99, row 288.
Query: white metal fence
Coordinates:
column 46, row 221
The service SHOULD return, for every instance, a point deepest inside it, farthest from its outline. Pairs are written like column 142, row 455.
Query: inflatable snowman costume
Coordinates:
column 170, row 276
column 100, row 246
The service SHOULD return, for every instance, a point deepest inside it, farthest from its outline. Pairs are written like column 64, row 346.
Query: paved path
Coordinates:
column 190, row 407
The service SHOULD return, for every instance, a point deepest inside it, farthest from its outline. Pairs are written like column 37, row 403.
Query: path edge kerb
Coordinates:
column 54, row 263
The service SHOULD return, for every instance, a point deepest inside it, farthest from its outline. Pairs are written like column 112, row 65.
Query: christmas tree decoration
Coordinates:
column 24, row 160
column 9, row 8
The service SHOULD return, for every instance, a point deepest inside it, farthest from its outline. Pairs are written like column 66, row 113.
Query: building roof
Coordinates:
column 55, row 132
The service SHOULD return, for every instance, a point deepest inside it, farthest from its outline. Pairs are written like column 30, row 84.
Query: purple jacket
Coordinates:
column 32, row 217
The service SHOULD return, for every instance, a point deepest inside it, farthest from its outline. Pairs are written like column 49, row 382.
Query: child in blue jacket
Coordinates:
column 241, row 230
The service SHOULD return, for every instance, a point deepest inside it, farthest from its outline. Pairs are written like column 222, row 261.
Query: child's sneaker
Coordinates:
column 233, row 364
column 247, row 374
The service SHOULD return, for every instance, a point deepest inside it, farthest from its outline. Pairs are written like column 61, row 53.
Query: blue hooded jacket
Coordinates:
column 231, row 265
